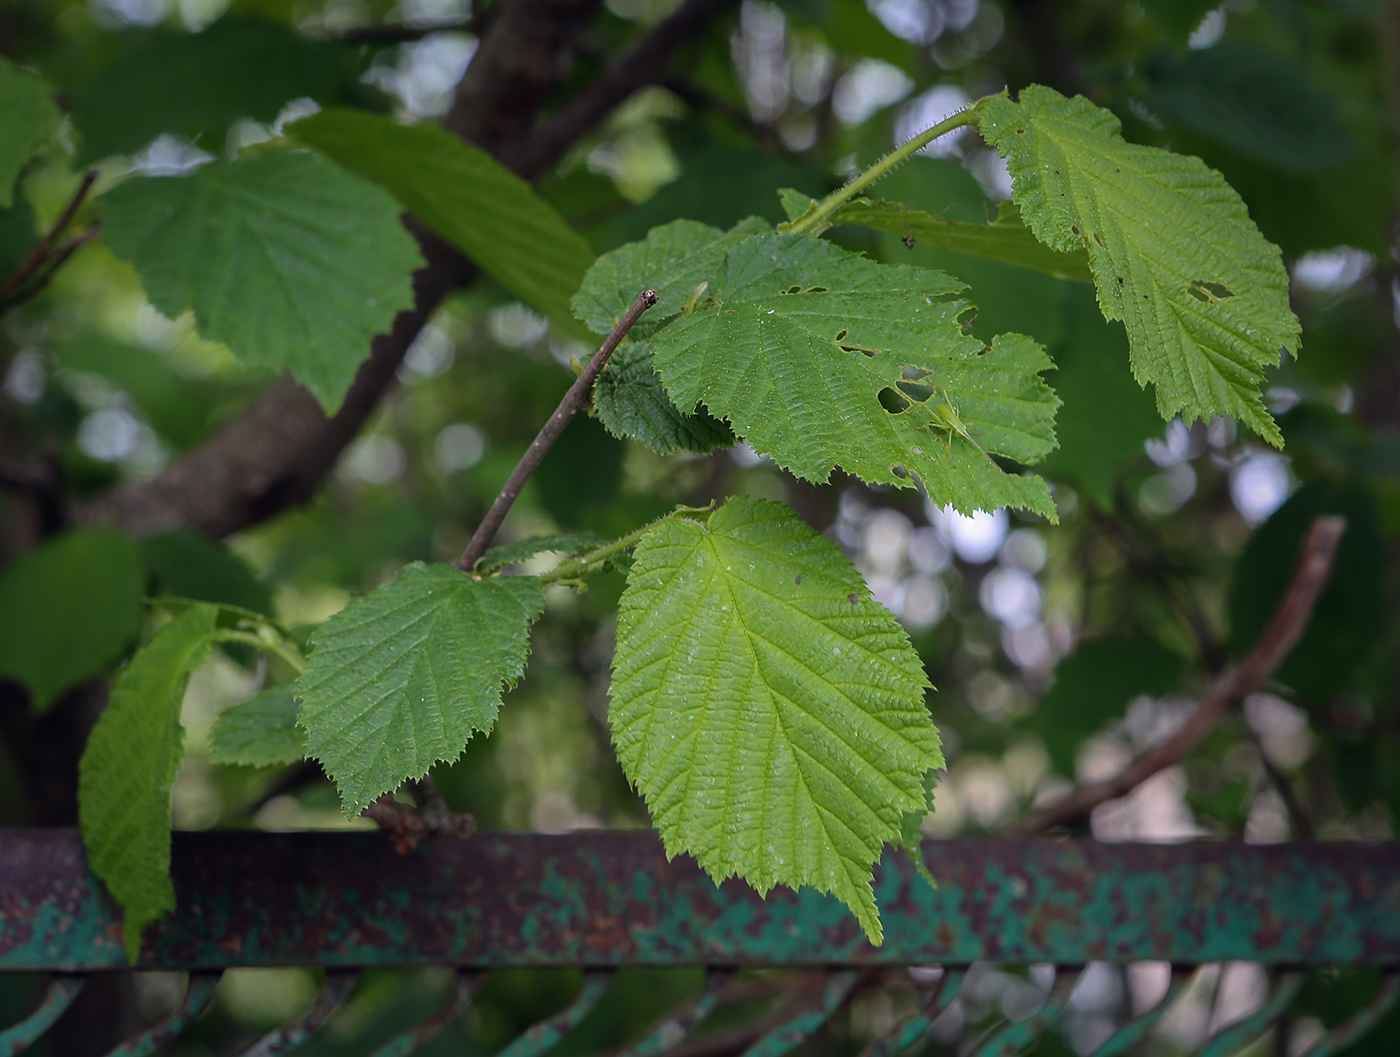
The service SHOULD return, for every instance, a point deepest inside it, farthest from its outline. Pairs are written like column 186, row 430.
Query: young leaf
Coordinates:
column 196, row 85
column 497, row 558
column 129, row 766
column 1007, row 240
column 673, row 260
column 819, row 358
column 68, row 610
column 771, row 713
column 467, row 197
column 287, row 259
column 632, row 403
column 400, row 679
column 29, row 112
column 1175, row 256
column 259, row 732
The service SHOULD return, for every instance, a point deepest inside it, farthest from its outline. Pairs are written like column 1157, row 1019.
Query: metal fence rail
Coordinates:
column 604, row 901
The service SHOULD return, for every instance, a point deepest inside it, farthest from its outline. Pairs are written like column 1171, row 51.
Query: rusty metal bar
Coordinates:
column 1130, row 1035
column 409, row 1042
column 1010, row 1039
column 678, row 1024
column 1354, row 1027
column 906, row 1033
column 796, row 1030
column 198, row 993
column 57, row 997
column 347, row 900
column 289, row 1036
column 545, row 1035
column 1235, row 1037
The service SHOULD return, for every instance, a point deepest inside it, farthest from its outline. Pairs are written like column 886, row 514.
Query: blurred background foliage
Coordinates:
column 1057, row 652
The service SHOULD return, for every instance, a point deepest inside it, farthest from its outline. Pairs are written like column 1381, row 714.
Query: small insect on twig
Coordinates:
column 946, row 417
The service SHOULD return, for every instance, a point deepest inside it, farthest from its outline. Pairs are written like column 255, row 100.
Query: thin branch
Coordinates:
column 1226, row 690
column 645, row 64
column 43, row 249
column 399, row 32
column 409, row 827
column 1297, row 814
column 573, row 401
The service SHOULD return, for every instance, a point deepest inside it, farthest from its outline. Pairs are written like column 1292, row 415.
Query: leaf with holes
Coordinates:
column 400, row 679
column 129, row 767
column 673, row 260
column 259, row 732
column 771, row 714
column 821, row 358
column 631, row 402
column 1174, row 254
column 287, row 259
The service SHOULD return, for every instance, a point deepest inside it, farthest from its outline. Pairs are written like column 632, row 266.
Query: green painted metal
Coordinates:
column 545, row 1035
column 610, row 899
column 1352, row 1029
column 290, row 1036
column 913, row 1030
column 198, row 992
column 678, row 1025
column 58, row 997
column 1236, row 1036
column 795, row 1031
column 411, row 1041
column 1132, row 1034
column 1011, row 1039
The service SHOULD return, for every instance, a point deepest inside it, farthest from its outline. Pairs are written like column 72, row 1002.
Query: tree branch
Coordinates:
column 1226, row 690
column 645, row 64
column 43, row 250
column 574, row 399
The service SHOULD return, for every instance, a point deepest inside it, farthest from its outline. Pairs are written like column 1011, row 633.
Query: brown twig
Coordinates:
column 573, row 401
column 645, row 64
column 1228, row 688
column 409, row 827
column 43, row 250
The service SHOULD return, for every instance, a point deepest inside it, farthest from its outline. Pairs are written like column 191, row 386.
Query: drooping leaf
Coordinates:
column 287, row 259
column 29, row 112
column 259, row 732
column 631, row 402
column 821, row 358
column 400, row 679
column 190, row 565
column 196, row 85
column 1253, row 101
column 771, row 713
column 1351, row 615
column 497, row 558
column 129, row 767
column 1175, row 256
column 68, row 610
column 467, row 197
column 1007, row 240
column 1094, row 685
column 672, row 260
column 1106, row 417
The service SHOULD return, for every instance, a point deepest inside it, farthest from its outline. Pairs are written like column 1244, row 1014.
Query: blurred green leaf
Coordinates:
column 190, row 565
column 196, row 85
column 17, row 235
column 129, row 767
column 580, row 474
column 1093, row 687
column 1106, row 416
column 401, row 678
column 1178, row 19
column 259, row 732
column 467, row 197
column 1351, row 615
column 497, row 558
column 631, row 402
column 320, row 253
column 29, row 113
column 68, row 610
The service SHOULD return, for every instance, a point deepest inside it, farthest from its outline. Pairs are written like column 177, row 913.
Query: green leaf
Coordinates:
column 400, row 679
column 631, row 402
column 819, row 358
column 1253, row 101
column 29, row 112
column 287, row 259
column 672, row 260
column 1106, row 417
column 467, row 197
column 497, row 558
column 17, row 235
column 68, row 611
column 196, row 85
column 191, row 565
column 771, row 714
column 1093, row 687
column 1352, row 614
column 259, row 732
column 1007, row 240
column 1175, row 256
column 129, row 767
column 580, row 475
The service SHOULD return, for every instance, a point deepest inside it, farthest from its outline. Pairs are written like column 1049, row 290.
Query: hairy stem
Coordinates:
column 576, row 568
column 268, row 645
column 817, row 218
column 573, row 401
